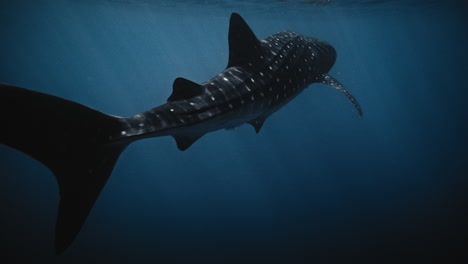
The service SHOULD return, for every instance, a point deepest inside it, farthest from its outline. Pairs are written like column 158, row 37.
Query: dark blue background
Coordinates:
column 317, row 185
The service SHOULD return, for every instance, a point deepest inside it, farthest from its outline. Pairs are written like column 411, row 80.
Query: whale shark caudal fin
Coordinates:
column 69, row 139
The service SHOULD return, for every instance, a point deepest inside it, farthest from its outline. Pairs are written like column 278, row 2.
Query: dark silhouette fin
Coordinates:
column 185, row 141
column 327, row 79
column 243, row 44
column 257, row 123
column 184, row 89
column 81, row 179
column 71, row 140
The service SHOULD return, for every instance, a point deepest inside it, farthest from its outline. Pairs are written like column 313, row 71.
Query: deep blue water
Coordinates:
column 317, row 185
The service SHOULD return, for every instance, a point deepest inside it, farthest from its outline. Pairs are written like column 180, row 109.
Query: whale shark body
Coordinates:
column 80, row 145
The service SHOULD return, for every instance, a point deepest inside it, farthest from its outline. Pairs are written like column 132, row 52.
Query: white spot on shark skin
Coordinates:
column 248, row 89
column 287, row 67
column 141, row 124
column 230, row 106
column 270, row 67
column 252, row 79
column 123, row 133
column 226, row 79
column 212, row 98
column 192, row 103
column 252, row 98
column 277, row 79
column 261, row 73
column 172, row 109
column 262, row 94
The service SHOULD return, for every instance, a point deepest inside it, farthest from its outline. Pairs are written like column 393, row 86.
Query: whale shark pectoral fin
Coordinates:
column 243, row 44
column 184, row 89
column 257, row 123
column 329, row 80
column 185, row 141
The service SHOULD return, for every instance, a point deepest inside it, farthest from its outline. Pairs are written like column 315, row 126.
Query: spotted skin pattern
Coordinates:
column 280, row 67
column 81, row 145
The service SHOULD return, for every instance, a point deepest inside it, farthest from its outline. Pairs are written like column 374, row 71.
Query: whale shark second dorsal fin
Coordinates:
column 243, row 44
column 184, row 89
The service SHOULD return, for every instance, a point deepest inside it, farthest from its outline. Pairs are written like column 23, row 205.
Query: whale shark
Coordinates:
column 81, row 145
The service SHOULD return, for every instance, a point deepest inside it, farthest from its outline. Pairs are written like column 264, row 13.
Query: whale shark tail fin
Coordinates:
column 72, row 140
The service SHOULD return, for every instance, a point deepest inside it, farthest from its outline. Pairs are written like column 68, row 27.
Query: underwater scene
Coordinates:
column 318, row 183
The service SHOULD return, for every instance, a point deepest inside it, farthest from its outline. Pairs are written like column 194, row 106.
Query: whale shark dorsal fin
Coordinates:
column 243, row 44
column 258, row 123
column 329, row 80
column 184, row 89
column 185, row 141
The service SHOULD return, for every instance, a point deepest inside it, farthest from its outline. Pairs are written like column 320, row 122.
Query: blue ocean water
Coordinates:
column 317, row 185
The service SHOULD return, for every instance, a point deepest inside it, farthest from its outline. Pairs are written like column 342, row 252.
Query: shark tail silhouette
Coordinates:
column 71, row 140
